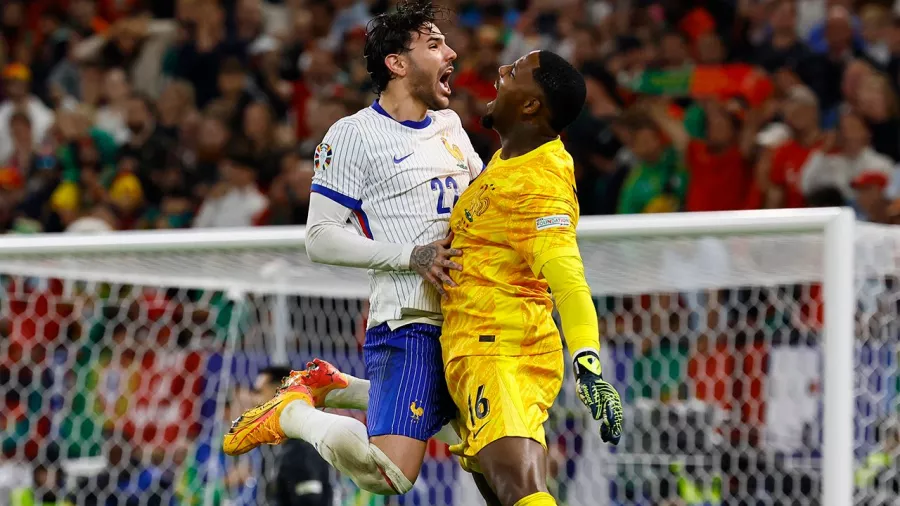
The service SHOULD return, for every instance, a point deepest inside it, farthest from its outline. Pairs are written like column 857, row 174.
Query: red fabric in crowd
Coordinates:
column 787, row 171
column 301, row 96
column 718, row 181
column 480, row 88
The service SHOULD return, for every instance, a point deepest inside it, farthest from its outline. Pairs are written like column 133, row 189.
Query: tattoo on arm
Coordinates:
column 423, row 256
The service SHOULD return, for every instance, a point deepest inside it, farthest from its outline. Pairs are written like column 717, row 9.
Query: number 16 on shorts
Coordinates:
column 481, row 408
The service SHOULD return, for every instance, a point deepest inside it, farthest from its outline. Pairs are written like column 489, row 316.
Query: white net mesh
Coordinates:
column 118, row 373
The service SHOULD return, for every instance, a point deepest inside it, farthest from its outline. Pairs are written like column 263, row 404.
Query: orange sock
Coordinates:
column 537, row 499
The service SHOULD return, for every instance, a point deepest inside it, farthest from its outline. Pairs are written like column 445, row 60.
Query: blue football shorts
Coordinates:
column 408, row 392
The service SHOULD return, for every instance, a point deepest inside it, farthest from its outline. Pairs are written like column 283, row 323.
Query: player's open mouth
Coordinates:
column 444, row 80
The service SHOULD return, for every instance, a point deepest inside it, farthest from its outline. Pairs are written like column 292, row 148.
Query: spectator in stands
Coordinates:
column 657, row 181
column 595, row 144
column 85, row 188
column 175, row 108
column 235, row 201
column 62, row 87
column 90, row 84
column 16, row 80
column 235, row 91
column 265, row 73
column 321, row 113
column 302, row 478
column 823, row 71
column 298, row 38
column 893, row 43
column 878, row 104
column 789, row 160
column 289, row 193
column 111, row 117
column 175, row 211
column 876, row 23
column 200, row 55
column 101, row 218
column 839, row 25
column 84, row 18
column 12, row 23
column 23, row 155
column 843, row 157
column 478, row 72
column 783, row 46
column 348, row 14
column 148, row 144
column 710, row 50
column 321, row 74
column 247, row 24
column 871, row 196
column 856, row 72
column 135, row 44
column 75, row 129
column 674, row 53
column 213, row 136
column 718, row 168
column 259, row 130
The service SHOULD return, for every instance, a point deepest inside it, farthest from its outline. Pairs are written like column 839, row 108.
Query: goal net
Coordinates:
column 123, row 359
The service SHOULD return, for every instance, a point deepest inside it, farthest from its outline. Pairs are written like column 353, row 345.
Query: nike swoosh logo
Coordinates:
column 398, row 160
column 475, row 435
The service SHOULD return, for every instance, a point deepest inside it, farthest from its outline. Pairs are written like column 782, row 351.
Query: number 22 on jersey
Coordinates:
column 447, row 193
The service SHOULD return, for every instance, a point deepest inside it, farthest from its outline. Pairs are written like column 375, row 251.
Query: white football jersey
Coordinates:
column 401, row 180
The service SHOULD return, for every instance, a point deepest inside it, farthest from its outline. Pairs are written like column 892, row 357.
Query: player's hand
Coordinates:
column 431, row 261
column 599, row 396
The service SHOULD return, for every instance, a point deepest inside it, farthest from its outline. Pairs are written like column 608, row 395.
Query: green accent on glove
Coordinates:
column 599, row 396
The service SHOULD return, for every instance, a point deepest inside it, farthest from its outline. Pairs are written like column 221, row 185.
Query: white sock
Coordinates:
column 344, row 443
column 355, row 396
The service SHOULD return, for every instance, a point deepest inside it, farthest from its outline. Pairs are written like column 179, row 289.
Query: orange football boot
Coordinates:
column 320, row 377
column 260, row 425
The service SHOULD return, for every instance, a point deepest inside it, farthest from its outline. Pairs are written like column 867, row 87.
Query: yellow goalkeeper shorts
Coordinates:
column 501, row 396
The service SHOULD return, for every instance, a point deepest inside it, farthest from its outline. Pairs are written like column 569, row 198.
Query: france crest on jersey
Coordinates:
column 401, row 180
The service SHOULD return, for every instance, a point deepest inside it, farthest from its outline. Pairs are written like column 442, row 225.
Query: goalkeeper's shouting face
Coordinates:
column 540, row 91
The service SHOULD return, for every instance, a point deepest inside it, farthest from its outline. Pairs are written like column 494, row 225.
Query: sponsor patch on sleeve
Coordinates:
column 555, row 221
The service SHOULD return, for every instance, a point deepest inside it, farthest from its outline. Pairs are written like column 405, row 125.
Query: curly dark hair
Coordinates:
column 563, row 87
column 392, row 33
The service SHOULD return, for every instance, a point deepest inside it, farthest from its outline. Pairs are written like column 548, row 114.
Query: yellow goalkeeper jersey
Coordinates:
column 517, row 215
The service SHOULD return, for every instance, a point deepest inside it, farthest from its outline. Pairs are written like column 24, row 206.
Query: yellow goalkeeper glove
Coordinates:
column 598, row 395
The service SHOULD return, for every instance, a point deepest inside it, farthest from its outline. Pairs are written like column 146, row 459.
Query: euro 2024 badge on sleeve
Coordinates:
column 322, row 159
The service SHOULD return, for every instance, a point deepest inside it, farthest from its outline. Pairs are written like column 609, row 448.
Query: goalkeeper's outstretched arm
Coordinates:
column 565, row 276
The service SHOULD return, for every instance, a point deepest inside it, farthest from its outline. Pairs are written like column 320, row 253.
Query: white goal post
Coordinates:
column 835, row 263
column 288, row 306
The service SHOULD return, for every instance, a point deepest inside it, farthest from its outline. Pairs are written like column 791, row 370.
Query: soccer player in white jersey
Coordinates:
column 397, row 168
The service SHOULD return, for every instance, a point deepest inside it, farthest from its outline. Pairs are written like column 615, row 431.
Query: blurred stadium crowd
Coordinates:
column 171, row 114
column 140, row 114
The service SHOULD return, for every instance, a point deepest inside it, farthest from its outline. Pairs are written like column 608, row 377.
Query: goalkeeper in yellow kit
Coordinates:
column 515, row 225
